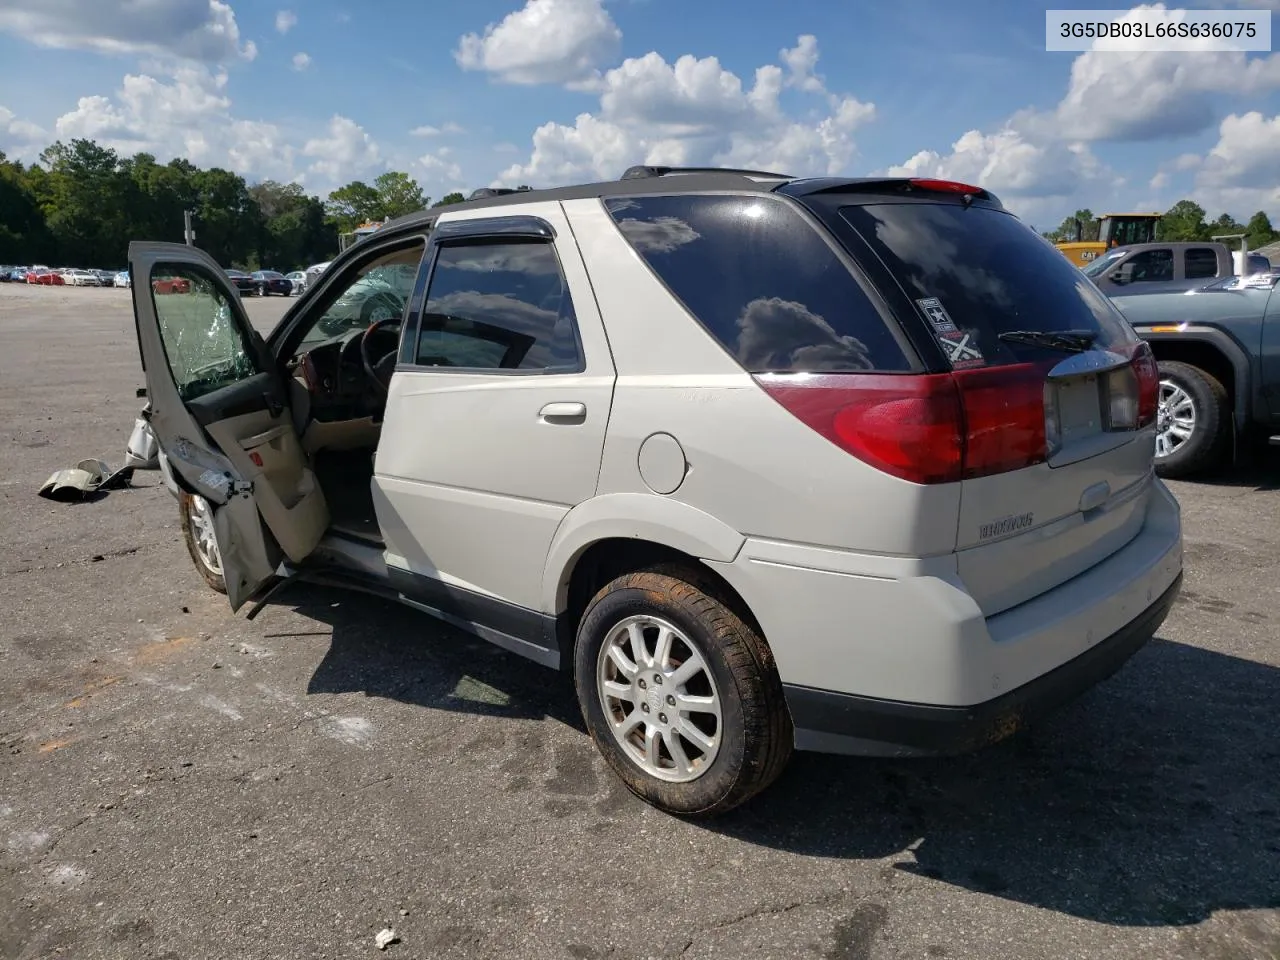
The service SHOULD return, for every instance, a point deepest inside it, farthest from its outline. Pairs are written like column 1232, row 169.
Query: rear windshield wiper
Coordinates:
column 1071, row 341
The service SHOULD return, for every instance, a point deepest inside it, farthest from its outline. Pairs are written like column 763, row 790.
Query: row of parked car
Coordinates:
column 260, row 283
column 266, row 283
column 64, row 276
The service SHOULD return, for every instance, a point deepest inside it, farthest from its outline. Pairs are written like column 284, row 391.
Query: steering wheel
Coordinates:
column 380, row 370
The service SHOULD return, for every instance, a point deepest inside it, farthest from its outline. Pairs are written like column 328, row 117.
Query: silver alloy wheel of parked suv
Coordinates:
column 1176, row 422
column 644, row 675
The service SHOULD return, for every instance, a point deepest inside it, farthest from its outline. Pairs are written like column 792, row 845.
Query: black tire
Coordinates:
column 212, row 578
column 755, row 735
column 1211, row 435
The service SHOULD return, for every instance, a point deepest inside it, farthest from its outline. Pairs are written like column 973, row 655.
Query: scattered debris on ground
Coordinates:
column 93, row 476
column 85, row 478
column 385, row 938
column 142, row 450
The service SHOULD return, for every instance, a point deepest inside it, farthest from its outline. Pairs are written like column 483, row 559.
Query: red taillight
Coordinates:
column 1148, row 371
column 945, row 186
column 1004, row 418
column 904, row 425
column 935, row 428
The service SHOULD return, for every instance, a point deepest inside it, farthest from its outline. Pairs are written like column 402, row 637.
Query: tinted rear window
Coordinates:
column 988, row 273
column 1200, row 263
column 762, row 281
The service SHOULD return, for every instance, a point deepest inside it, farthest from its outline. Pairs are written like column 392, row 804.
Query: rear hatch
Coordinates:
column 1057, row 394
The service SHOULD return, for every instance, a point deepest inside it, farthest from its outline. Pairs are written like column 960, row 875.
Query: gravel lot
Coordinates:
column 179, row 782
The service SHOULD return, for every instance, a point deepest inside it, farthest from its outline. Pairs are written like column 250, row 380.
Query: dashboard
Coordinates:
column 336, row 379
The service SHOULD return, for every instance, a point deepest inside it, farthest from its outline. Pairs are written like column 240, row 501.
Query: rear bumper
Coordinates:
column 861, row 640
column 840, row 723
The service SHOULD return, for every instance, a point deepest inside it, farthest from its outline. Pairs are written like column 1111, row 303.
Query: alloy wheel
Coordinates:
column 200, row 517
column 659, row 699
column 1175, row 419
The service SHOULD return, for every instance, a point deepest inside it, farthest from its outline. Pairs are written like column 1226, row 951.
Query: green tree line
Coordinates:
column 81, row 203
column 1185, row 220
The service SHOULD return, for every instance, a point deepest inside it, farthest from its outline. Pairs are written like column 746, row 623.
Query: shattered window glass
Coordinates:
column 206, row 348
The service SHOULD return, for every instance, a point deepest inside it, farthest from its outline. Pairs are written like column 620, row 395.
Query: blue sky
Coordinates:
column 550, row 91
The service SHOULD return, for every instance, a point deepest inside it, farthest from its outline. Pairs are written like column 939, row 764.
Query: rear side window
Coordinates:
column 1200, row 263
column 762, row 281
column 976, row 273
column 499, row 306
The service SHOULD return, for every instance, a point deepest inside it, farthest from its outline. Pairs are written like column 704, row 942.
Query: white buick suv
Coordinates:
column 763, row 463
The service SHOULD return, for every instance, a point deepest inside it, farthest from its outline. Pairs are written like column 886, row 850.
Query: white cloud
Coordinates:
column 1009, row 164
column 19, row 139
column 286, row 20
column 184, row 113
column 695, row 112
column 347, row 152
column 176, row 114
column 800, row 61
column 204, row 30
column 437, row 168
column 1241, row 172
column 427, row 130
column 1124, row 95
column 546, row 41
column 1247, row 153
column 301, row 61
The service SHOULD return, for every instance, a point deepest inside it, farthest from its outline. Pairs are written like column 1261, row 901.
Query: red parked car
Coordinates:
column 47, row 278
column 171, row 285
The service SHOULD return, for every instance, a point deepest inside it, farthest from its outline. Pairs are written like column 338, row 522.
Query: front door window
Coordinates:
column 205, row 346
column 377, row 290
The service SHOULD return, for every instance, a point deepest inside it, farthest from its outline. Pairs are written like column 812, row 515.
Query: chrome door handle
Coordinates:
column 563, row 413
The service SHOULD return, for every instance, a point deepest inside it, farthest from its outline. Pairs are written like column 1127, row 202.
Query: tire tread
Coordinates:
column 1209, row 450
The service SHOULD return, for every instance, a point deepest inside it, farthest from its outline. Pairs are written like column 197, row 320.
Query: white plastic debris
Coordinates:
column 142, row 450
column 385, row 938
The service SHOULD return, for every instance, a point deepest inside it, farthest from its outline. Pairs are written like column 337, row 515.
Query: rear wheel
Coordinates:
column 680, row 695
column 202, row 541
column 1193, row 422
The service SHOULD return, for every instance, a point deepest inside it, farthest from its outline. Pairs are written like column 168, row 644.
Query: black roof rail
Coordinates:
column 645, row 172
column 485, row 193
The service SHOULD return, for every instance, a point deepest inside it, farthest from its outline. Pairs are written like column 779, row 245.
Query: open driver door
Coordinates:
column 219, row 408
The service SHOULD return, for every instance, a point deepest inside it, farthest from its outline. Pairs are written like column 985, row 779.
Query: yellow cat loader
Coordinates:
column 1114, row 230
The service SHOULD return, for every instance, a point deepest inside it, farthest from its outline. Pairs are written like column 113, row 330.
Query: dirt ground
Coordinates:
column 178, row 782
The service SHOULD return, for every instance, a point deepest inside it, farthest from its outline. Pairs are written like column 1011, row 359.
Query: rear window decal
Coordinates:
column 937, row 314
column 960, row 349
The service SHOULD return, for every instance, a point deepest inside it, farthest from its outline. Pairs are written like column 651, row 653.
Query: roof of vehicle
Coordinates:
column 639, row 181
column 1169, row 244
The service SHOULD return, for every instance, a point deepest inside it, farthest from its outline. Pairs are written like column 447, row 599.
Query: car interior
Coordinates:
column 339, row 367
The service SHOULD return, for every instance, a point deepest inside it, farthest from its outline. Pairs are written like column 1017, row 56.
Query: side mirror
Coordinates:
column 1122, row 274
